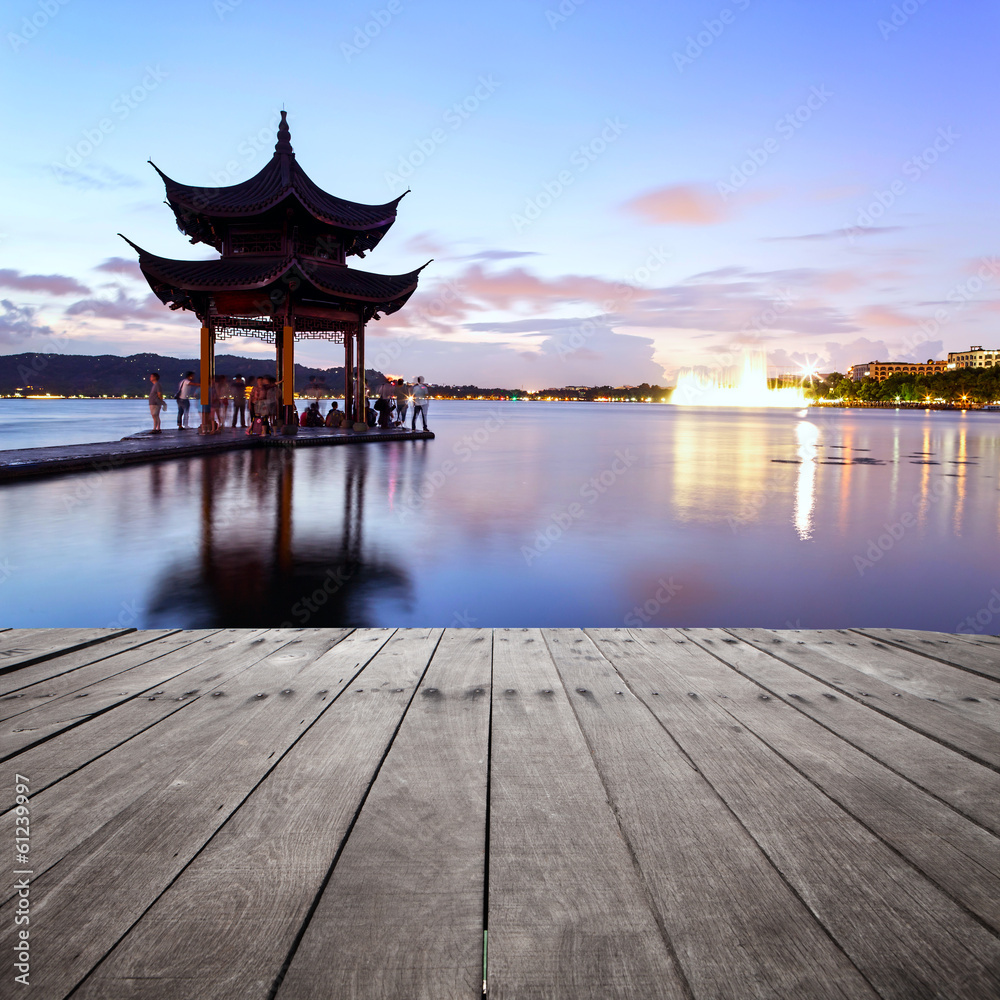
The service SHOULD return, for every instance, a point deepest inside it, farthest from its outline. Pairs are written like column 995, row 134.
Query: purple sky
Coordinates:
column 609, row 192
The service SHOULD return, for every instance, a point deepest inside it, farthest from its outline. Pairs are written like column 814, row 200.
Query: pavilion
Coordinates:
column 282, row 275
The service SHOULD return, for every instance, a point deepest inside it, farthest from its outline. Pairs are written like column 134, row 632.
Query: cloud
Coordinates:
column 122, row 307
column 687, row 204
column 93, row 177
column 883, row 316
column 919, row 354
column 17, row 323
column 857, row 352
column 499, row 254
column 835, row 234
column 123, row 266
column 54, row 284
column 425, row 242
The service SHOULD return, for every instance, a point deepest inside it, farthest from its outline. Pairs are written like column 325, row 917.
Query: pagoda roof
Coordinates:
column 389, row 291
column 280, row 178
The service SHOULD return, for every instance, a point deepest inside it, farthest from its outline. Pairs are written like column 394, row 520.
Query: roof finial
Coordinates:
column 284, row 143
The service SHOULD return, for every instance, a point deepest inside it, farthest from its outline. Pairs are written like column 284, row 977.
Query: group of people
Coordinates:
column 387, row 411
column 394, row 399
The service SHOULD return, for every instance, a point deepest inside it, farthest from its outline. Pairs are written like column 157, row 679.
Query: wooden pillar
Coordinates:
column 288, row 365
column 348, row 374
column 207, row 375
column 362, row 403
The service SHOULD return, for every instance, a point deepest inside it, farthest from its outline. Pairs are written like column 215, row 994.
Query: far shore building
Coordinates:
column 881, row 370
column 282, row 273
column 974, row 357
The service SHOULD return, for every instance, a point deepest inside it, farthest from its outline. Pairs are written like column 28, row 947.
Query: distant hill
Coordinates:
column 111, row 375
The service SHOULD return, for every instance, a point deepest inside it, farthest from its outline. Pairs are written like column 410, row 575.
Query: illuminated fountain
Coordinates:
column 744, row 385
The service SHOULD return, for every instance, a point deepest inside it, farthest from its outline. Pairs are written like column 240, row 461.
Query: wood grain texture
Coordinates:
column 972, row 738
column 966, row 785
column 76, row 807
column 29, row 686
column 568, row 914
column 211, row 661
column 906, row 936
column 970, row 654
column 966, row 694
column 234, row 913
column 956, row 854
column 731, row 825
column 21, row 647
column 117, row 873
column 737, row 928
column 402, row 915
column 64, row 711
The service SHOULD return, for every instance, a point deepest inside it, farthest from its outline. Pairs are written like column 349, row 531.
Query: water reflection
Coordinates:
column 251, row 568
column 807, row 435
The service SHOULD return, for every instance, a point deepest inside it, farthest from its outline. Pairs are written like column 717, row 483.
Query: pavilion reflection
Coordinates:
column 250, row 568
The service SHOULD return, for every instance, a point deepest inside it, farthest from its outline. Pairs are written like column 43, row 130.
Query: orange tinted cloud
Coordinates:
column 883, row 316
column 688, row 204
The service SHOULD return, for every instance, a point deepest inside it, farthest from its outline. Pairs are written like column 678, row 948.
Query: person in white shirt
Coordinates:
column 421, row 401
column 184, row 393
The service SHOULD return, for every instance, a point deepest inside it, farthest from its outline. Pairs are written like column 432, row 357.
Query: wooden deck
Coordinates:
column 605, row 813
column 103, row 456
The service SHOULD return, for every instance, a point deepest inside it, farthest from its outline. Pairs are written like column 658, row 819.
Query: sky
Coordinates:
column 609, row 192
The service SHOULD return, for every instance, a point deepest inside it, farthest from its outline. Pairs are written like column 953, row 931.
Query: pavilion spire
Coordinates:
column 284, row 143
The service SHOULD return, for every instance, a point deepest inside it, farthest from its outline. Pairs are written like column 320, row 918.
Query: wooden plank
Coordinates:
column 568, row 915
column 258, row 877
column 971, row 738
column 967, row 786
column 402, row 915
column 35, row 725
column 906, row 936
column 979, row 658
column 955, row 853
column 207, row 661
column 74, row 808
column 85, row 904
column 737, row 928
column 21, row 647
column 968, row 695
column 28, row 685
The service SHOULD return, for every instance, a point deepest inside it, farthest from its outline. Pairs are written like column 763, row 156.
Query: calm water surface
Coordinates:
column 524, row 514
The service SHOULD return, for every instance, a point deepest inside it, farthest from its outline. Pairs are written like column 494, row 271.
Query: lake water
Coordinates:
column 521, row 514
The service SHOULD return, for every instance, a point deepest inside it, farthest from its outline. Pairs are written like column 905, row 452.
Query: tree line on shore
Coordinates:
column 976, row 386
